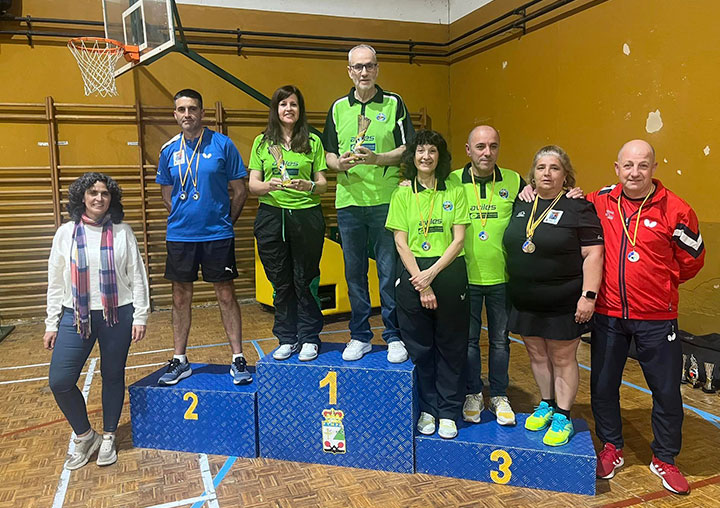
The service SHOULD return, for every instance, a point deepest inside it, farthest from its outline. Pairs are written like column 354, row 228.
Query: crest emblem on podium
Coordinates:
column 333, row 431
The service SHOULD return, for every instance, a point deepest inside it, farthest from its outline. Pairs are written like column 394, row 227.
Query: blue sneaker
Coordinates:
column 239, row 372
column 540, row 418
column 175, row 372
column 560, row 431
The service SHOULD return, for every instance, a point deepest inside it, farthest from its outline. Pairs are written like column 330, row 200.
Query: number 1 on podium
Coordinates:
column 330, row 379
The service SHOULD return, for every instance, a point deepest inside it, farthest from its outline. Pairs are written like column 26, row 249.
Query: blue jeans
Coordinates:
column 359, row 227
column 498, row 309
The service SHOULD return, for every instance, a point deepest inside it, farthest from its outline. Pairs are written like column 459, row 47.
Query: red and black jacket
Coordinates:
column 669, row 246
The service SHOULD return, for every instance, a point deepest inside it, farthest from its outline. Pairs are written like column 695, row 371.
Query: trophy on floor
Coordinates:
column 709, row 369
column 363, row 124
column 276, row 152
column 694, row 372
column 684, row 378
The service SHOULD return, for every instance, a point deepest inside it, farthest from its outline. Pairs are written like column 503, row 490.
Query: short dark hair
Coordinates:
column 300, row 141
column 190, row 94
column 76, row 196
column 426, row 137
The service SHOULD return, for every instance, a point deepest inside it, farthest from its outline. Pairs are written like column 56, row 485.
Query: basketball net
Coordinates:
column 97, row 58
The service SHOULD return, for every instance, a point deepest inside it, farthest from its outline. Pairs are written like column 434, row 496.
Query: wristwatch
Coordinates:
column 590, row 295
column 312, row 187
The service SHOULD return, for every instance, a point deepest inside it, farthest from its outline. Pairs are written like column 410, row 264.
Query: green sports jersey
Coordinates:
column 486, row 258
column 449, row 208
column 298, row 165
column 390, row 127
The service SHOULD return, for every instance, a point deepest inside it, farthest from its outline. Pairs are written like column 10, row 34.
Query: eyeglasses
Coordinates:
column 369, row 66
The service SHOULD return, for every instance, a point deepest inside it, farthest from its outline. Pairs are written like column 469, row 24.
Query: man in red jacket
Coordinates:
column 652, row 244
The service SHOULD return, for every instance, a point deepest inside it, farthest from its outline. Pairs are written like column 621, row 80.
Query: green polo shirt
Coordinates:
column 390, row 127
column 485, row 259
column 299, row 166
column 449, row 208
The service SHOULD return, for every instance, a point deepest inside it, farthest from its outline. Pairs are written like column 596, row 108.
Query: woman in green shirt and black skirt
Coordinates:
column 287, row 167
column 428, row 220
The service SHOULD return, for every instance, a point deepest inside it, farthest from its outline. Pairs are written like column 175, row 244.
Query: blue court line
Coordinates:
column 259, row 350
column 218, row 478
column 713, row 419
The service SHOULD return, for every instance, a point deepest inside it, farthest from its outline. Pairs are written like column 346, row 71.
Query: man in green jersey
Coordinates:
column 490, row 192
column 367, row 176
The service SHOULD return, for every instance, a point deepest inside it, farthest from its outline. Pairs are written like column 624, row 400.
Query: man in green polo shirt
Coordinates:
column 367, row 176
column 490, row 192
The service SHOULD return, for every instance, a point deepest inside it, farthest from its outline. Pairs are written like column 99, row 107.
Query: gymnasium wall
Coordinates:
column 595, row 79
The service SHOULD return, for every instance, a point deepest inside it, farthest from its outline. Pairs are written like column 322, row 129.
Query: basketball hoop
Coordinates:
column 97, row 58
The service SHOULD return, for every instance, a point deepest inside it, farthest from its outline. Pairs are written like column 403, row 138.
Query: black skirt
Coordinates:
column 548, row 325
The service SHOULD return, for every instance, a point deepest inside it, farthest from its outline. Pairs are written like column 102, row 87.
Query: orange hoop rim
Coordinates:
column 131, row 53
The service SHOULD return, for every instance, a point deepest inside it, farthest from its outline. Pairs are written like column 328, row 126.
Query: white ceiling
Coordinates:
column 421, row 11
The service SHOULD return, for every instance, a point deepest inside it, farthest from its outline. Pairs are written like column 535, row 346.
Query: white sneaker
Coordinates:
column 397, row 352
column 355, row 350
column 426, row 424
column 107, row 454
column 447, row 428
column 84, row 448
column 473, row 406
column 308, row 352
column 285, row 351
column 500, row 405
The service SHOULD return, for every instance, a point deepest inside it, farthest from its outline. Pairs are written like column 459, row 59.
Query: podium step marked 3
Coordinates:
column 329, row 411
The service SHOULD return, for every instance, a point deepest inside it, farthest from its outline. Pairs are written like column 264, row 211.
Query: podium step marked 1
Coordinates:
column 512, row 456
column 328, row 411
column 204, row 413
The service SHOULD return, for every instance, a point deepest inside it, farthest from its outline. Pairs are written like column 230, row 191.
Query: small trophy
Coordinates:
column 694, row 372
column 276, row 152
column 363, row 124
column 683, row 378
column 709, row 369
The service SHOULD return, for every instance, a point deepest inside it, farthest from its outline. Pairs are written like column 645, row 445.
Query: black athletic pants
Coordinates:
column 437, row 339
column 290, row 244
column 660, row 355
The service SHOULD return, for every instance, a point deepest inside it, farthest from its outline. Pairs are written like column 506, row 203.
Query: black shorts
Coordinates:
column 217, row 258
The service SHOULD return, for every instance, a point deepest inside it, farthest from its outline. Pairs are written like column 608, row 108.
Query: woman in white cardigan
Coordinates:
column 97, row 290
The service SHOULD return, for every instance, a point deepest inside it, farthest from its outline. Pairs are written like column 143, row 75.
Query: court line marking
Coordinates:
column 207, row 480
column 218, row 478
column 258, row 349
column 182, row 502
column 64, row 480
column 660, row 494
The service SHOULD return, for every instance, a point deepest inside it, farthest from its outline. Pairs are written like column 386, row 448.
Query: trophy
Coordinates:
column 363, row 124
column 683, row 378
column 709, row 368
column 276, row 152
column 694, row 372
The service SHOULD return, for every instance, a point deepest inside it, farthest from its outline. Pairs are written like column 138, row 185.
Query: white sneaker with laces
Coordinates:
column 107, row 454
column 308, row 352
column 500, row 405
column 447, row 428
column 397, row 352
column 84, row 448
column 285, row 351
column 355, row 350
column 426, row 424
column 473, row 407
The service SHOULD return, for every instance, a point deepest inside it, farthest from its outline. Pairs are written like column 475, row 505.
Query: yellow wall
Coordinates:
column 570, row 84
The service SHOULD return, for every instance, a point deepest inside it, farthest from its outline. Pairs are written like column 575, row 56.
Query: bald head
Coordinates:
column 635, row 167
column 483, row 148
column 635, row 146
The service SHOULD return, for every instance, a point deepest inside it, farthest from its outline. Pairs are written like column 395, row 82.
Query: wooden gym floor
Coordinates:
column 34, row 439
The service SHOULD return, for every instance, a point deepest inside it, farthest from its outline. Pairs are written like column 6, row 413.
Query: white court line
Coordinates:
column 208, row 481
column 65, row 475
column 26, row 366
column 182, row 502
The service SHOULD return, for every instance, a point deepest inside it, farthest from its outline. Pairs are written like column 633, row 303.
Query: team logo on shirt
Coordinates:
column 521, row 214
column 178, row 158
column 381, row 117
column 649, row 223
column 503, row 193
column 206, row 155
column 609, row 214
column 448, row 206
column 553, row 217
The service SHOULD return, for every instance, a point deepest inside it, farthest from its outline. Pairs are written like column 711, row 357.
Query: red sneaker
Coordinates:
column 608, row 460
column 672, row 478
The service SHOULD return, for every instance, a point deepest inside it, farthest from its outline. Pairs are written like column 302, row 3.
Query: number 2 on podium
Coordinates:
column 504, row 467
column 190, row 414
column 330, row 379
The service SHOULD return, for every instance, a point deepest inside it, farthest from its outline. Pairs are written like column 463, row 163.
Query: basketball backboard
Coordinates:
column 145, row 24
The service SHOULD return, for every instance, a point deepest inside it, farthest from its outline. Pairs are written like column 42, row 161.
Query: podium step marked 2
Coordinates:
column 204, row 413
column 328, row 411
column 513, row 456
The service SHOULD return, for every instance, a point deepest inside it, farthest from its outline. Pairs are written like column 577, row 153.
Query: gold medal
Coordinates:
column 633, row 256
column 529, row 247
column 183, row 177
column 425, row 225
column 483, row 219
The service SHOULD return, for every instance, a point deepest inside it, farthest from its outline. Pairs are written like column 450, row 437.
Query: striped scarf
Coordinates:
column 80, row 277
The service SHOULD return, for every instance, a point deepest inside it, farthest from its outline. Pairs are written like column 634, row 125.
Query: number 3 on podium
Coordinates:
column 330, row 379
column 190, row 414
column 505, row 474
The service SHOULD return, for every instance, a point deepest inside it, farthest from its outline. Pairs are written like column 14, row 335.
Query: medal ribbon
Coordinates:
column 425, row 225
column 483, row 219
column 637, row 221
column 532, row 225
column 183, row 178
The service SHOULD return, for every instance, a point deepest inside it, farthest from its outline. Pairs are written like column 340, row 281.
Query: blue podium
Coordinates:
column 513, row 456
column 328, row 411
column 204, row 413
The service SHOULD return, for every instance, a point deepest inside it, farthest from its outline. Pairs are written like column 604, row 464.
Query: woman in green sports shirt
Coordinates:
column 428, row 219
column 287, row 165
